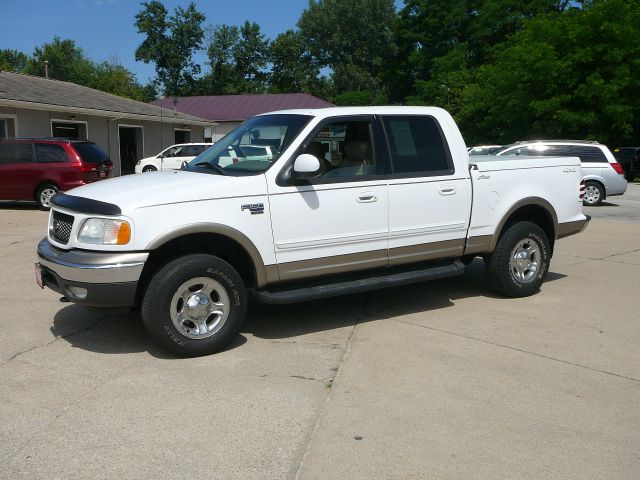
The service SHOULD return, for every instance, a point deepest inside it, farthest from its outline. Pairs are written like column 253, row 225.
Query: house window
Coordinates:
column 7, row 128
column 71, row 130
column 182, row 136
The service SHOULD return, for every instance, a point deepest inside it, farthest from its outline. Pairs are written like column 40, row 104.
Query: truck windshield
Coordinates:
column 252, row 147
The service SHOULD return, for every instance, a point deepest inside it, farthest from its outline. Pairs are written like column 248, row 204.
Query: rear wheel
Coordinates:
column 195, row 305
column 593, row 194
column 520, row 262
column 149, row 168
column 44, row 194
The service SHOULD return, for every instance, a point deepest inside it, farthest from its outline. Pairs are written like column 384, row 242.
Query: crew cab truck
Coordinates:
column 352, row 199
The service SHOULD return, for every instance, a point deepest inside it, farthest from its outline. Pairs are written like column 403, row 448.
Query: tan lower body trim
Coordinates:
column 478, row 244
column 369, row 260
column 571, row 228
column 426, row 251
column 331, row 265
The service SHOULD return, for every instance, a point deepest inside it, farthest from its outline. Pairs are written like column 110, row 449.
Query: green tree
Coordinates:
column 114, row 78
column 223, row 78
column 444, row 41
column 574, row 74
column 238, row 57
column 13, row 60
column 251, row 56
column 170, row 43
column 294, row 69
column 66, row 61
column 353, row 38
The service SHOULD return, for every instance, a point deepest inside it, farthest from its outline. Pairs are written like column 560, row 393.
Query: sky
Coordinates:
column 105, row 30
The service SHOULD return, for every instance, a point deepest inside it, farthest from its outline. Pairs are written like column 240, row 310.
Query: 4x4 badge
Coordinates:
column 254, row 208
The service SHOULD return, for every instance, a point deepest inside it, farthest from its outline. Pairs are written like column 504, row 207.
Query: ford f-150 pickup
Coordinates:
column 350, row 199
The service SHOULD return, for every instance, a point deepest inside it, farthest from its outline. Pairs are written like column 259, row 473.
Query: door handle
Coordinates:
column 366, row 197
column 448, row 190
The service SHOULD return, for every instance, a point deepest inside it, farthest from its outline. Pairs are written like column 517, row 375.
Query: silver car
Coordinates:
column 603, row 175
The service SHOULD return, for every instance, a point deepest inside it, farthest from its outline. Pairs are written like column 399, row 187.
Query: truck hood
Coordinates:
column 167, row 187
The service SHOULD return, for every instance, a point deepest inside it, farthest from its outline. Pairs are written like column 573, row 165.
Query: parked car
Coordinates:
column 483, row 149
column 237, row 153
column 171, row 158
column 38, row 168
column 629, row 158
column 603, row 175
column 402, row 204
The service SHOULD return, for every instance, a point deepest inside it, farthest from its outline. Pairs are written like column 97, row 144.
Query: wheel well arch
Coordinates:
column 535, row 210
column 221, row 241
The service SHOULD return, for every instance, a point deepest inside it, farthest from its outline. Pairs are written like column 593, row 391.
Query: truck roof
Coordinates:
column 381, row 110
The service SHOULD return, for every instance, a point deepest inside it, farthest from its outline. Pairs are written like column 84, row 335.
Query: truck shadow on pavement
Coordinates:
column 125, row 333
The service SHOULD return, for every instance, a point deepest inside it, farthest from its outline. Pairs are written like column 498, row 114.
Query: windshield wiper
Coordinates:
column 216, row 168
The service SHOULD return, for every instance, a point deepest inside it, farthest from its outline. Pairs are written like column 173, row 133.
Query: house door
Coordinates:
column 130, row 148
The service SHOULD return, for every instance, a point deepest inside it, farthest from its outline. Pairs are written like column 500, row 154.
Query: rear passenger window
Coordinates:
column 417, row 146
column 16, row 153
column 50, row 153
column 587, row 154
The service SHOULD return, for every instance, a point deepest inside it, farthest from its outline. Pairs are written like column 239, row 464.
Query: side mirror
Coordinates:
column 306, row 166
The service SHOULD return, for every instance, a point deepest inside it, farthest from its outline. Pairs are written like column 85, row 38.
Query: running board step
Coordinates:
column 360, row 285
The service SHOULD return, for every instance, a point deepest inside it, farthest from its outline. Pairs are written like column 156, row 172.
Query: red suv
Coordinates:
column 37, row 168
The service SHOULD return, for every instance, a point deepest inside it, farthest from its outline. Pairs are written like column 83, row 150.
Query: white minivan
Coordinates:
column 172, row 157
column 603, row 175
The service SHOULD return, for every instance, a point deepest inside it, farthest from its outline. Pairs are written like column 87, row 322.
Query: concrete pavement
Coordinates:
column 436, row 380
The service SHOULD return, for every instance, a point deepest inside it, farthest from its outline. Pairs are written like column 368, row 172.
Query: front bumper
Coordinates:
column 94, row 279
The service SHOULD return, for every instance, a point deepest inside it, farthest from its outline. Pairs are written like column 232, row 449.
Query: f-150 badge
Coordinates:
column 254, row 208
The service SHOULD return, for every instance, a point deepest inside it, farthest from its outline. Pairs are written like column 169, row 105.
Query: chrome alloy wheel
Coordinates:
column 46, row 195
column 591, row 194
column 525, row 260
column 200, row 308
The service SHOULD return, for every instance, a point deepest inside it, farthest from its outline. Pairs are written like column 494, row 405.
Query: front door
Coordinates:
column 337, row 221
column 429, row 202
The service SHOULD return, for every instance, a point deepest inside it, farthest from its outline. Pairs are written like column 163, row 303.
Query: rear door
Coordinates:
column 17, row 174
column 52, row 164
column 429, row 201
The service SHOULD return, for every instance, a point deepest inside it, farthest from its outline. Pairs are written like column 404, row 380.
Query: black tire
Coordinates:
column 149, row 168
column 159, row 304
column 597, row 197
column 44, row 194
column 503, row 269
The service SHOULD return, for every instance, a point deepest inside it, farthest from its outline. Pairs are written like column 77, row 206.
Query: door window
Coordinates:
column 346, row 151
column 16, row 153
column 417, row 146
column 50, row 153
column 192, row 150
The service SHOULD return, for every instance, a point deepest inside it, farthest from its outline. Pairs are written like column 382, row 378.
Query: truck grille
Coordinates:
column 61, row 225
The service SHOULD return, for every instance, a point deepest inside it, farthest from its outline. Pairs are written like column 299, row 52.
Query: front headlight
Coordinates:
column 139, row 162
column 102, row 231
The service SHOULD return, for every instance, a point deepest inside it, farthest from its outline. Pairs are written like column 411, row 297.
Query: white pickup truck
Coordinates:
column 353, row 199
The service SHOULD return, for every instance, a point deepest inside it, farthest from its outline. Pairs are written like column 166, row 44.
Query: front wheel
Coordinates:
column 195, row 305
column 149, row 169
column 44, row 195
column 520, row 262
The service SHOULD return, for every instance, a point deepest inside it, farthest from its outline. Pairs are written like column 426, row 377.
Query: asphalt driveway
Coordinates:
column 436, row 380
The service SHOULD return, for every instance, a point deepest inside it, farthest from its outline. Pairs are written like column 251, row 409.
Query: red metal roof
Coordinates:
column 240, row 107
